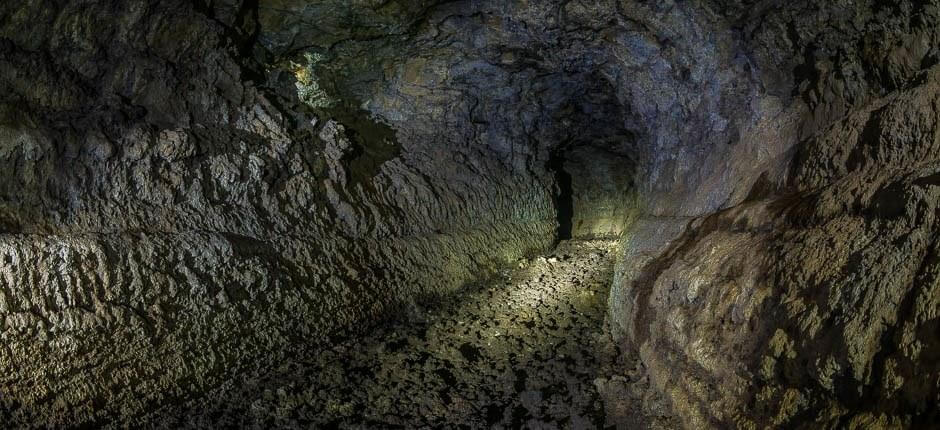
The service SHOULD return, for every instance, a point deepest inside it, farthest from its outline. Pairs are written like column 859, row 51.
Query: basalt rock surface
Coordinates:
column 811, row 301
column 196, row 190
column 169, row 220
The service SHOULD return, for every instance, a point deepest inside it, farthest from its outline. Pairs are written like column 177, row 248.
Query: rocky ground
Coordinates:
column 523, row 351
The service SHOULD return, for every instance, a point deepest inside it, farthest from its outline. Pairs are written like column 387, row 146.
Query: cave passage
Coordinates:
column 520, row 352
column 324, row 214
column 564, row 198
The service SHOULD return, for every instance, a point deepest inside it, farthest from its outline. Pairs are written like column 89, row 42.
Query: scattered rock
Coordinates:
column 533, row 370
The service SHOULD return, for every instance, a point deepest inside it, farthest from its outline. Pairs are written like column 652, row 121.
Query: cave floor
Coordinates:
column 522, row 351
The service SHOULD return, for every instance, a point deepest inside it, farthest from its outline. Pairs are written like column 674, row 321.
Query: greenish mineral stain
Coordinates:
column 308, row 86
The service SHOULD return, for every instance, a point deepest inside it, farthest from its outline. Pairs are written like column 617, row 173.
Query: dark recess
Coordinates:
column 564, row 204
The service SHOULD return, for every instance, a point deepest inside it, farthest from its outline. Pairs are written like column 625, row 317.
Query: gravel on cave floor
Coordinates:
column 523, row 351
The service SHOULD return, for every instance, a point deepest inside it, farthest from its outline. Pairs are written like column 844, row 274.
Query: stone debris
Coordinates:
column 523, row 351
column 197, row 196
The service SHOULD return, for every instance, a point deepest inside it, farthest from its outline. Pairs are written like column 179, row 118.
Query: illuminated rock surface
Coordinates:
column 522, row 350
column 199, row 191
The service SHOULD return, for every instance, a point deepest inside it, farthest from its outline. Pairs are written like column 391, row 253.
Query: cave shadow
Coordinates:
column 564, row 196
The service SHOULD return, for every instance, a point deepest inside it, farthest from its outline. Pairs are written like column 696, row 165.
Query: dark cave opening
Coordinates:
column 564, row 199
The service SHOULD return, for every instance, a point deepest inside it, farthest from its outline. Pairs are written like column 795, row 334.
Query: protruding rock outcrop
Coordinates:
column 812, row 301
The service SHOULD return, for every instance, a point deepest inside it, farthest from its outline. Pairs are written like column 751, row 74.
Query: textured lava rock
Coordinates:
column 169, row 221
column 196, row 190
column 811, row 300
column 521, row 351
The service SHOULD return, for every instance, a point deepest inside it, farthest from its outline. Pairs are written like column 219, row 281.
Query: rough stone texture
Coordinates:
column 169, row 222
column 196, row 190
column 521, row 351
column 603, row 199
column 198, row 187
column 811, row 300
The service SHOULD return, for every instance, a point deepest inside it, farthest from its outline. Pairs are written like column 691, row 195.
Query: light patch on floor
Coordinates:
column 522, row 351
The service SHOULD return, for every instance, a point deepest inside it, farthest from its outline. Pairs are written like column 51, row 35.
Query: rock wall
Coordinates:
column 809, row 300
column 603, row 192
column 172, row 216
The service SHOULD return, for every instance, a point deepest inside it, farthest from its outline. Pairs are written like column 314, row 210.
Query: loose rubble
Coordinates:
column 522, row 351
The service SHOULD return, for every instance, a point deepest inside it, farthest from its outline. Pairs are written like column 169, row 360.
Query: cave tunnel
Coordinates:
column 701, row 214
column 564, row 196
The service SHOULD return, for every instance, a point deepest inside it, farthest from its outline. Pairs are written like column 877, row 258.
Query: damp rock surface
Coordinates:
column 523, row 350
